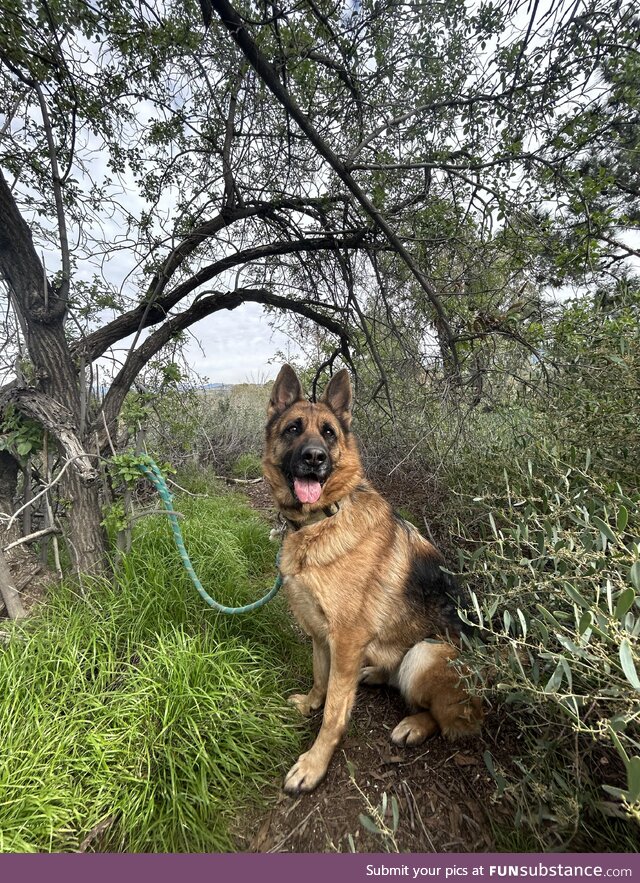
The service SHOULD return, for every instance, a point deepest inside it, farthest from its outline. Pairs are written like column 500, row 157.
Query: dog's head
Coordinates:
column 310, row 457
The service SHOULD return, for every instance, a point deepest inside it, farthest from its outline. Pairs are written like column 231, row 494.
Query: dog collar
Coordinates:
column 320, row 515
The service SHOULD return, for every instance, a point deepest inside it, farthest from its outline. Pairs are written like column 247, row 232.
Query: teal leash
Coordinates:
column 151, row 471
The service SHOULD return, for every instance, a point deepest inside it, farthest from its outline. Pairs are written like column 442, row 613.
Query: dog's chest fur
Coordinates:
column 313, row 569
column 308, row 555
column 341, row 573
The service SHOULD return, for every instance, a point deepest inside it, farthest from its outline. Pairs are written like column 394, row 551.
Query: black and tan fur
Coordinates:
column 362, row 582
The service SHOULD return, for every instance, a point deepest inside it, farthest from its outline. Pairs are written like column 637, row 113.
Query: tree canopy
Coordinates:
column 398, row 174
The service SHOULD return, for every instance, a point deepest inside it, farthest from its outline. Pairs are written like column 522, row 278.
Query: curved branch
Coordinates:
column 95, row 344
column 229, row 215
column 203, row 306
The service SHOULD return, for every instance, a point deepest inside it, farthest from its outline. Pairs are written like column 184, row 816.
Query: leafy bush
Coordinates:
column 557, row 569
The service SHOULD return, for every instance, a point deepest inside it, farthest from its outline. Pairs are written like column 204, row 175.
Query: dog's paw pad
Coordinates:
column 413, row 730
column 304, row 775
column 373, row 675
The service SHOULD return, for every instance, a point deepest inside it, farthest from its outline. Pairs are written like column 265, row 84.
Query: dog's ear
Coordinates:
column 286, row 390
column 338, row 396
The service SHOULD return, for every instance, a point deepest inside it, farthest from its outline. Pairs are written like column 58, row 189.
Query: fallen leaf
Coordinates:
column 465, row 760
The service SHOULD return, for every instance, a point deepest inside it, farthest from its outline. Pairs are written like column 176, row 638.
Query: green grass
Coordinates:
column 247, row 466
column 140, row 707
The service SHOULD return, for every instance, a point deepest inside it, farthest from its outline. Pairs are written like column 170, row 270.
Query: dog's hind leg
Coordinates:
column 314, row 699
column 414, row 729
column 428, row 681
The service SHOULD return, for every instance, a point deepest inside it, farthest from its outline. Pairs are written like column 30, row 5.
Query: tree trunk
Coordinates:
column 8, row 591
column 9, row 468
column 86, row 534
column 41, row 310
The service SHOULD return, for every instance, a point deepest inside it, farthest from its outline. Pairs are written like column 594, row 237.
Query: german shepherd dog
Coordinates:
column 361, row 581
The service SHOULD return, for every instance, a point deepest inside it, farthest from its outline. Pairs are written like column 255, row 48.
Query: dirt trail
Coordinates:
column 443, row 794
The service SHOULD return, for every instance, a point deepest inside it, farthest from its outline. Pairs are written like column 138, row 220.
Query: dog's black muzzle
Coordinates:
column 311, row 460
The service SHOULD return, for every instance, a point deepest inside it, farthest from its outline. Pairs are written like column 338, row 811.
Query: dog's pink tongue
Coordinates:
column 307, row 490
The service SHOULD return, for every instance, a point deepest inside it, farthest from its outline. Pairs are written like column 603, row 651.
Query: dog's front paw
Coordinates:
column 305, row 774
column 305, row 702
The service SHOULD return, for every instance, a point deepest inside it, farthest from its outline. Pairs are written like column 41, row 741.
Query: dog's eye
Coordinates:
column 328, row 432
column 293, row 429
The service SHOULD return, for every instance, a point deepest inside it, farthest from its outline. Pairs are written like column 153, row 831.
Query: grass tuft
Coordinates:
column 139, row 719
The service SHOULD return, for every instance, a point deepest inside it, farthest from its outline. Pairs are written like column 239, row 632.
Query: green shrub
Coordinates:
column 556, row 574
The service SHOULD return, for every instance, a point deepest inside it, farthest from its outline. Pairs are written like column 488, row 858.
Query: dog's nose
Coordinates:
column 314, row 455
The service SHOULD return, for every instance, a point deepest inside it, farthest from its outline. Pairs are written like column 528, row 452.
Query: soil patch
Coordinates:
column 259, row 497
column 442, row 789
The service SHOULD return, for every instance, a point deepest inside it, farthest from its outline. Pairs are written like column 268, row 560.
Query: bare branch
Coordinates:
column 268, row 75
column 33, row 537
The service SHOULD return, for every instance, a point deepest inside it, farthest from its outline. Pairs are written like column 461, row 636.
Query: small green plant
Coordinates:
column 126, row 466
column 20, row 435
column 114, row 519
column 247, row 466
column 381, row 820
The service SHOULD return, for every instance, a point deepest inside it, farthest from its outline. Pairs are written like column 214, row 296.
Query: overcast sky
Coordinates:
column 236, row 346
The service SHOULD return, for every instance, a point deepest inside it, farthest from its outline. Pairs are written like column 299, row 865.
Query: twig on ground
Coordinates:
column 417, row 811
column 184, row 490
column 293, row 831
column 242, row 480
column 428, row 529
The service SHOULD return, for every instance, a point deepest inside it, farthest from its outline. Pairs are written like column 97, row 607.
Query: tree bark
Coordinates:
column 41, row 310
column 9, row 468
column 10, row 596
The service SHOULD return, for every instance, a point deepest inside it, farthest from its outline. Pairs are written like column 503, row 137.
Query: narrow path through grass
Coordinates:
column 139, row 714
